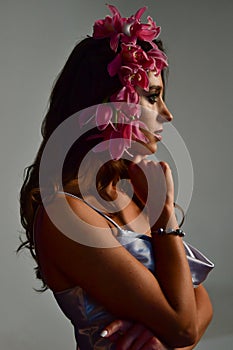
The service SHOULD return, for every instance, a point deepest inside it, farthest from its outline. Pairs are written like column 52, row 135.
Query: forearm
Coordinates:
column 173, row 274
column 204, row 314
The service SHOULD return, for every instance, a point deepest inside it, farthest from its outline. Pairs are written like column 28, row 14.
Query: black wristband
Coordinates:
column 163, row 232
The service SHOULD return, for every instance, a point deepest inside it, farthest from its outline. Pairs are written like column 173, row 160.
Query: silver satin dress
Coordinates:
column 89, row 318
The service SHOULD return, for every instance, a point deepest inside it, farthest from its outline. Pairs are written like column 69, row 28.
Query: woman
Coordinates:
column 103, row 230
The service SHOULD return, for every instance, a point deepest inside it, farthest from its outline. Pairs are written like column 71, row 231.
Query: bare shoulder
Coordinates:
column 68, row 230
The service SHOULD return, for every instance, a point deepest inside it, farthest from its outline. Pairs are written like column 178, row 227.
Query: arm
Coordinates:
column 117, row 280
column 172, row 269
column 201, row 299
column 131, row 336
column 126, row 333
column 204, row 313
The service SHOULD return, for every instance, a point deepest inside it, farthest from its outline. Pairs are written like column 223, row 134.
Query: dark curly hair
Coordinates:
column 84, row 81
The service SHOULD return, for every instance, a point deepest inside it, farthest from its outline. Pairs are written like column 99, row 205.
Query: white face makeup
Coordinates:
column 155, row 111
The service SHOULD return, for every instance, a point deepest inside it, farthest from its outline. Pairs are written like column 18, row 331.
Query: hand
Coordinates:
column 153, row 184
column 132, row 336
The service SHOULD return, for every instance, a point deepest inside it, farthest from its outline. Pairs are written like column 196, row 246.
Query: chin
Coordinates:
column 152, row 151
column 144, row 149
column 152, row 147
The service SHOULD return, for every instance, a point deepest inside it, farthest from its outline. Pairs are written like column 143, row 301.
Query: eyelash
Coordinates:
column 153, row 98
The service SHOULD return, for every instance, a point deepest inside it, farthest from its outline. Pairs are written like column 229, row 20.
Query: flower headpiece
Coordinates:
column 132, row 65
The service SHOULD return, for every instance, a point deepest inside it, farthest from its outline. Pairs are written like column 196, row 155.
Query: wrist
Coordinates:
column 170, row 231
column 166, row 220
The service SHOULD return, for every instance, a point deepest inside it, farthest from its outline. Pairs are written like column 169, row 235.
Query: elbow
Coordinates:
column 184, row 336
column 188, row 336
column 188, row 332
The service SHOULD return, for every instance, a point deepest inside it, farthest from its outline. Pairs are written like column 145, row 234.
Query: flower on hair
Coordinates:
column 125, row 30
column 118, row 140
column 131, row 62
column 147, row 32
column 120, row 124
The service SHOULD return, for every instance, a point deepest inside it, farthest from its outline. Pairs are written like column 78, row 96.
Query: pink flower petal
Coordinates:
column 129, row 110
column 139, row 135
column 114, row 10
column 141, row 79
column 103, row 28
column 114, row 41
column 103, row 116
column 116, row 147
column 122, row 115
column 129, row 39
column 114, row 66
column 154, row 26
column 140, row 12
column 127, row 134
column 146, row 35
column 160, row 59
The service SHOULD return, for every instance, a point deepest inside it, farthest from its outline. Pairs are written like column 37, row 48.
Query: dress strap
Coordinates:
column 94, row 208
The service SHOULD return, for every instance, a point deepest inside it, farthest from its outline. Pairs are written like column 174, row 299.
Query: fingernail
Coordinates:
column 104, row 333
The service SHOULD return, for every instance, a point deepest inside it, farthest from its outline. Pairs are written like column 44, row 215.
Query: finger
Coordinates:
column 139, row 181
column 143, row 174
column 125, row 341
column 169, row 180
column 153, row 344
column 153, row 185
column 114, row 327
column 141, row 340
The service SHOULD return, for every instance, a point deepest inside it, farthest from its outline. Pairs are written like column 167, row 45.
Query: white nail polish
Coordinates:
column 104, row 333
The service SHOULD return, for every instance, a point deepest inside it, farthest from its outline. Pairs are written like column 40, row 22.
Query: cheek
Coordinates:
column 149, row 113
column 149, row 117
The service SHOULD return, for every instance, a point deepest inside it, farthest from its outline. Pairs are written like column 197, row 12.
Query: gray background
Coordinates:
column 36, row 38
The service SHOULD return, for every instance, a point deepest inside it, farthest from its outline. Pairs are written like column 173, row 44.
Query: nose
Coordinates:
column 165, row 114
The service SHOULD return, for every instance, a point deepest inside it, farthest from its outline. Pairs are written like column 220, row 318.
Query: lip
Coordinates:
column 157, row 134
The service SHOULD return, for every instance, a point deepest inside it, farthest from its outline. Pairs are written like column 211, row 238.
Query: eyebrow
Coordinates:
column 155, row 87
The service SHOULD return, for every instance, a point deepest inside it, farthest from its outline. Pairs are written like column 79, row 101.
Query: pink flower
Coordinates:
column 126, row 29
column 116, row 141
column 130, row 54
column 110, row 27
column 119, row 123
column 127, row 37
column 134, row 75
column 147, row 32
column 138, row 14
column 121, row 139
column 135, row 54
column 136, row 132
column 160, row 59
column 127, row 112
column 103, row 116
column 115, row 65
column 126, row 94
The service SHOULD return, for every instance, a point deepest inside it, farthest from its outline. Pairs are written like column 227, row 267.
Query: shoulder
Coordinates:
column 69, row 207
column 66, row 232
column 70, row 217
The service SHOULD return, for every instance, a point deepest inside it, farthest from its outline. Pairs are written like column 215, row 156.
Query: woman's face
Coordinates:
column 155, row 112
